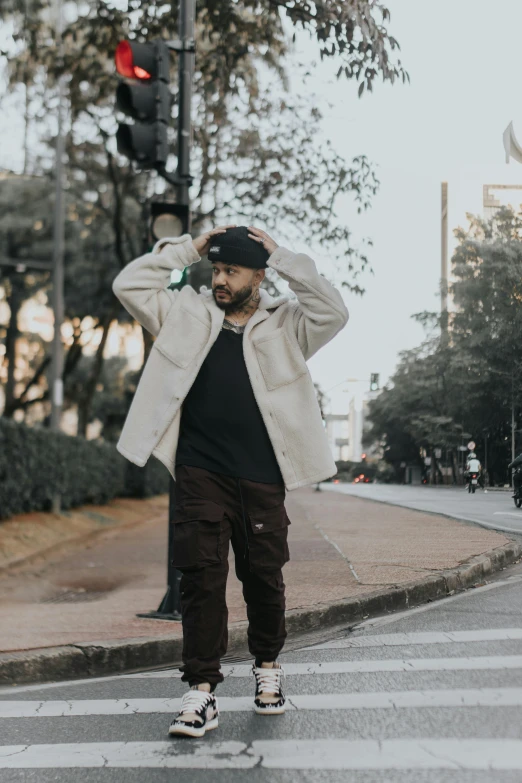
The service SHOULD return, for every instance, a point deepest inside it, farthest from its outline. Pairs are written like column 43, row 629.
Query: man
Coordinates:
column 473, row 466
column 226, row 402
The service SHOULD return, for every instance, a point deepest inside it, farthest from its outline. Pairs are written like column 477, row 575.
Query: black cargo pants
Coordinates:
column 211, row 510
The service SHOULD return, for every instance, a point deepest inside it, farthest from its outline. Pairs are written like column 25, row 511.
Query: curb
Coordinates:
column 97, row 659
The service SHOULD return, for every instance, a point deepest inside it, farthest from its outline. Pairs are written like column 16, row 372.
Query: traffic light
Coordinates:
column 374, row 381
column 144, row 95
column 168, row 219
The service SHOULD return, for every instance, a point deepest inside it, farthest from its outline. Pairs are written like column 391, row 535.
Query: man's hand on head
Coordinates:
column 263, row 239
column 203, row 242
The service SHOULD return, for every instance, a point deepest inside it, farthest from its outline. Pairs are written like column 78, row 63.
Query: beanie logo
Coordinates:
column 215, row 249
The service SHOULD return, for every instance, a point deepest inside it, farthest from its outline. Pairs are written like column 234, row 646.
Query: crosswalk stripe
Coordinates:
column 458, row 697
column 424, row 637
column 380, row 640
column 414, row 754
column 477, row 663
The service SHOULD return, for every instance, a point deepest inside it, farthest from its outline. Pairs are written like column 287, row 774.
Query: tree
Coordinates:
column 25, row 235
column 471, row 381
column 412, row 416
column 258, row 151
column 258, row 142
column 90, row 266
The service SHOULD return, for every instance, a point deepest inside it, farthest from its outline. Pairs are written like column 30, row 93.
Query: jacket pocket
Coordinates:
column 268, row 544
column 280, row 362
column 182, row 337
column 197, row 534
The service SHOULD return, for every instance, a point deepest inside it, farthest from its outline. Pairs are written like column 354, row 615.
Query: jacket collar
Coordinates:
column 270, row 302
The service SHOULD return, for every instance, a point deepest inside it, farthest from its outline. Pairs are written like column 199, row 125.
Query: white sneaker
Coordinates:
column 203, row 706
column 268, row 684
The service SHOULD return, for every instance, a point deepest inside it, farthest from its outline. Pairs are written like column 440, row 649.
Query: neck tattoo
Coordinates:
column 233, row 326
column 244, row 310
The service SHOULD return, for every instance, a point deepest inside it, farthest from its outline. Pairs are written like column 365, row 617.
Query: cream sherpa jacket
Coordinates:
column 281, row 335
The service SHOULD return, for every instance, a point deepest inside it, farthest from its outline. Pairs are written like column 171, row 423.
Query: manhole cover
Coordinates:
column 74, row 596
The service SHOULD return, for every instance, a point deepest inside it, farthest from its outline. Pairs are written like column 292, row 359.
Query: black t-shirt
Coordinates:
column 221, row 426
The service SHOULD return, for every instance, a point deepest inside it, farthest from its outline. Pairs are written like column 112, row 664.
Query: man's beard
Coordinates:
column 236, row 300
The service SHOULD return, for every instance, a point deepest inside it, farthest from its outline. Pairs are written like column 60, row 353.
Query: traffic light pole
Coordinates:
column 170, row 607
column 187, row 13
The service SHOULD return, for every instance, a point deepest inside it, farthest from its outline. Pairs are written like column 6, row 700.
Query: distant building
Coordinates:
column 338, row 434
column 494, row 197
column 356, row 430
column 359, row 424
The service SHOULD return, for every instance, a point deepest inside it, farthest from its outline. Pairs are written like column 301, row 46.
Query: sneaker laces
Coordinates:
column 195, row 701
column 269, row 680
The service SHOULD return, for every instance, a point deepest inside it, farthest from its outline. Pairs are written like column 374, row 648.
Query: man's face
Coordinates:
column 233, row 285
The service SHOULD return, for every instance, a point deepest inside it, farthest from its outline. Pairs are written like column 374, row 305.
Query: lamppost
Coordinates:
column 56, row 380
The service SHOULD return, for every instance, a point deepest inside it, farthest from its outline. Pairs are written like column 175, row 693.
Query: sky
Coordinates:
column 463, row 57
column 464, row 60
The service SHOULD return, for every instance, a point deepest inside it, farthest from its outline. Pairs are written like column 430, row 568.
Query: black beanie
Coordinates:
column 236, row 247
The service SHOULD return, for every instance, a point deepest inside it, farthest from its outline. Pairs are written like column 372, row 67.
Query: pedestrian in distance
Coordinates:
column 226, row 402
column 473, row 466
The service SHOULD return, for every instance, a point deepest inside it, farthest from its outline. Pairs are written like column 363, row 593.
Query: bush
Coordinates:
column 145, row 482
column 36, row 463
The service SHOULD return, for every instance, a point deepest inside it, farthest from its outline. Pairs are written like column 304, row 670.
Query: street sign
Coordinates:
column 438, row 453
column 471, row 445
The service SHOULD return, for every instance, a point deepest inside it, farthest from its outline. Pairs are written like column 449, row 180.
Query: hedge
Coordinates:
column 36, row 463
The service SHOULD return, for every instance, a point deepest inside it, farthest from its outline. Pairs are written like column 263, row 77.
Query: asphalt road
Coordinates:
column 493, row 509
column 432, row 695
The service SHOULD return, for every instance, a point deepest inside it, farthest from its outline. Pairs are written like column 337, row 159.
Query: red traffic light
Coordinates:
column 144, row 95
column 126, row 62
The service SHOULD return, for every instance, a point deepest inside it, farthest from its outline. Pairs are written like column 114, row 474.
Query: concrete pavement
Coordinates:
column 491, row 509
column 431, row 695
column 75, row 614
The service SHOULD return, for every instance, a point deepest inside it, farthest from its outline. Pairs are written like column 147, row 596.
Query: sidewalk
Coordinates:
column 349, row 558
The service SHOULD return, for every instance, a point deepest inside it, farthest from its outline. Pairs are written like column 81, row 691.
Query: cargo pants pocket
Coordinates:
column 197, row 534
column 268, row 544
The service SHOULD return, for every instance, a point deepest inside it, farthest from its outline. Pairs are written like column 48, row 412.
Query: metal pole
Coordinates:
column 56, row 380
column 170, row 607
column 187, row 12
column 444, row 318
column 186, row 63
